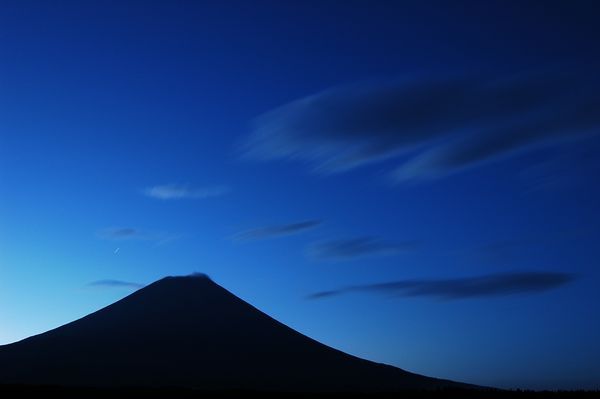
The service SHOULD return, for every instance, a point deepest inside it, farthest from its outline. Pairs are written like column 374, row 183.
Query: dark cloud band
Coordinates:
column 115, row 284
column 277, row 231
column 462, row 288
column 453, row 123
column 357, row 247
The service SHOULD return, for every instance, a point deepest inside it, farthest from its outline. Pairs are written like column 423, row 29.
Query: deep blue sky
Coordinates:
column 429, row 169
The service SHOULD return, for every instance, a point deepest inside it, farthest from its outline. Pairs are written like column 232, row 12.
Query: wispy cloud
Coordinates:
column 351, row 248
column 451, row 123
column 120, row 233
column 565, row 169
column 130, row 233
column 115, row 284
column 519, row 247
column 182, row 191
column 497, row 143
column 277, row 231
column 462, row 288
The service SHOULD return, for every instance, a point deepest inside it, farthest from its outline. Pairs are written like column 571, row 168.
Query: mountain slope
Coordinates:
column 190, row 332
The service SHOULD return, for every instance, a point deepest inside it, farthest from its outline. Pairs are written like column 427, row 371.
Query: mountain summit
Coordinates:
column 191, row 332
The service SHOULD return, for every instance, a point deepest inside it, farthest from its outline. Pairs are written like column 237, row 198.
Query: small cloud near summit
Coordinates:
column 200, row 275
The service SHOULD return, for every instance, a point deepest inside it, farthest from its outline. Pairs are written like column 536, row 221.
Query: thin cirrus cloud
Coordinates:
column 277, row 230
column 492, row 285
column 357, row 247
column 519, row 247
column 441, row 125
column 184, row 191
column 121, row 233
column 115, row 284
column 133, row 234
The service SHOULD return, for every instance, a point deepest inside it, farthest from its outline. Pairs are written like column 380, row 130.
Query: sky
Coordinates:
column 411, row 182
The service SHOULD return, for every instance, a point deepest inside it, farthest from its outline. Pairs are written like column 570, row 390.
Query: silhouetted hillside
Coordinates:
column 444, row 393
column 190, row 332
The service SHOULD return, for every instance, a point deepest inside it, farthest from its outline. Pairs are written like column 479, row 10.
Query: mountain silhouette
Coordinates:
column 190, row 332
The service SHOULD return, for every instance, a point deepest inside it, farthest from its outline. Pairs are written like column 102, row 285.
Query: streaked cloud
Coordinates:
column 120, row 233
column 441, row 125
column 115, row 284
column 567, row 168
column 500, row 142
column 133, row 234
column 462, row 288
column 184, row 191
column 517, row 248
column 277, row 230
column 351, row 248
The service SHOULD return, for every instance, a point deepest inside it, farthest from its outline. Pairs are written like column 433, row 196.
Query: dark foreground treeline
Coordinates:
column 24, row 391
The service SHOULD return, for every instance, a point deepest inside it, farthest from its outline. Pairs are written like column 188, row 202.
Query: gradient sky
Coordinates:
column 415, row 183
